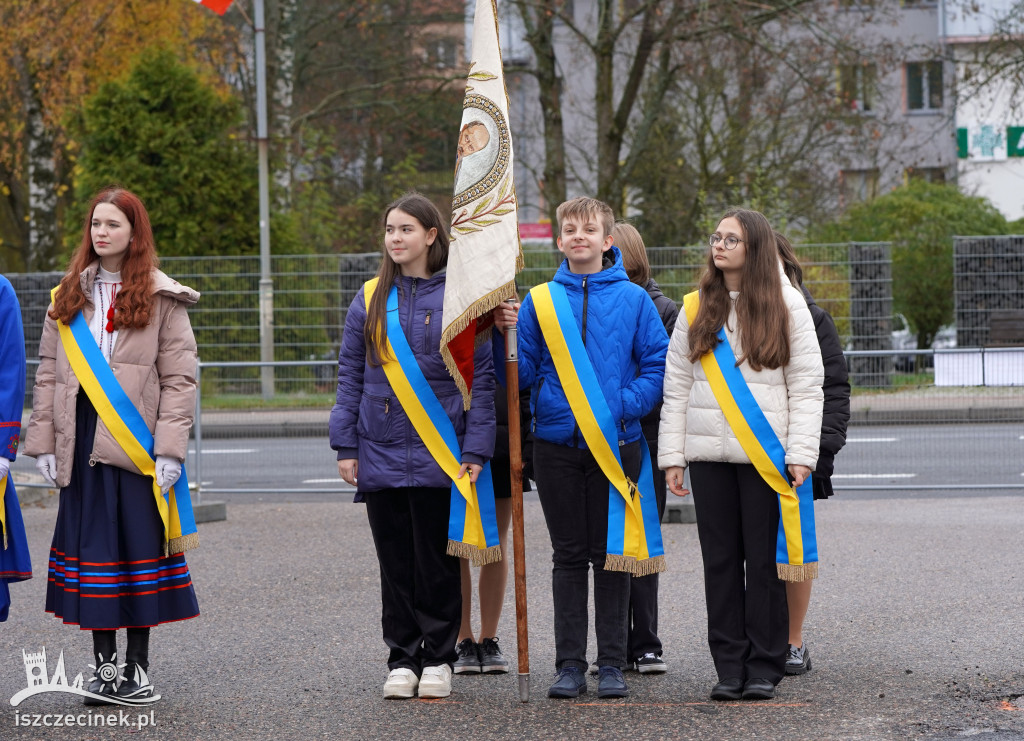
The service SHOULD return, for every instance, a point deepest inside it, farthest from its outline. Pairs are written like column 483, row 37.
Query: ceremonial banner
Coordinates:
column 219, row 7
column 485, row 252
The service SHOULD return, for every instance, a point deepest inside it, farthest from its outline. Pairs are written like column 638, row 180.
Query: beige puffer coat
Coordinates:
column 693, row 427
column 156, row 367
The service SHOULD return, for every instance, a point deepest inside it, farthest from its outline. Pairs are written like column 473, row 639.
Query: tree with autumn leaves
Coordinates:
column 53, row 55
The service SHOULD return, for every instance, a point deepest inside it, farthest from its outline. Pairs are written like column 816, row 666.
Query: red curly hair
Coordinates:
column 135, row 299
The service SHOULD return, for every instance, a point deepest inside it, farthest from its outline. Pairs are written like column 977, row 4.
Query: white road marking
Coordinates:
column 871, row 439
column 873, row 475
column 224, row 451
column 335, row 480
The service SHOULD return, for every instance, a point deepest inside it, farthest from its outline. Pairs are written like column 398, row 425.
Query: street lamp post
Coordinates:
column 266, row 282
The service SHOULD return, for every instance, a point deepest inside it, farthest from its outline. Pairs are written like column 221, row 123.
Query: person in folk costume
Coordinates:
column 113, row 403
column 14, row 557
column 392, row 342
column 744, row 352
column 644, row 650
column 835, row 417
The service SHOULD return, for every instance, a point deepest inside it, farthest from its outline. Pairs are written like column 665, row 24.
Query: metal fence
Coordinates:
column 913, row 435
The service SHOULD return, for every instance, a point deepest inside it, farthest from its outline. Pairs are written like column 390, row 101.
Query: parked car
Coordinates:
column 903, row 338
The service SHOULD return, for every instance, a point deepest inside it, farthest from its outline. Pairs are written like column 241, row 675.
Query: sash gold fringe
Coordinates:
column 618, row 562
column 649, row 566
column 479, row 307
column 476, row 556
column 797, row 572
column 184, row 543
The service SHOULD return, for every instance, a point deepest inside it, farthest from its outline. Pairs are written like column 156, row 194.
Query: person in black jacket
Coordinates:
column 836, row 415
column 644, row 646
column 485, row 656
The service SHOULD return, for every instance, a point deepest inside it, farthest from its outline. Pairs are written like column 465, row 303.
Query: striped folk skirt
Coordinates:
column 106, row 567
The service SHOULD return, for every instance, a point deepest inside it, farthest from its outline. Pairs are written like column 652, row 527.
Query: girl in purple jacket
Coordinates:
column 406, row 492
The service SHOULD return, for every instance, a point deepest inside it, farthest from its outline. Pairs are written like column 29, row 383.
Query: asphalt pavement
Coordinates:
column 916, row 630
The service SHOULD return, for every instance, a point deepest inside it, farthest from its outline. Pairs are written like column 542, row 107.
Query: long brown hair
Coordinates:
column 760, row 309
column 424, row 211
column 790, row 264
column 134, row 301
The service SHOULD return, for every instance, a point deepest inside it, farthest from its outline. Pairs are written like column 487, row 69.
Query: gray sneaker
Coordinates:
column 469, row 657
column 798, row 660
column 491, row 660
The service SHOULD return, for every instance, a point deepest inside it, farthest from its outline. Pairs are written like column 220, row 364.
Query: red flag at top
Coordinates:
column 217, row 6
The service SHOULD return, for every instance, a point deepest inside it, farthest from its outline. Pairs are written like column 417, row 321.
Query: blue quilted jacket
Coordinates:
column 367, row 422
column 625, row 340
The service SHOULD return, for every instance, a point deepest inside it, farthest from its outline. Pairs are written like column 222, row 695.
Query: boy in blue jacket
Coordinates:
column 625, row 343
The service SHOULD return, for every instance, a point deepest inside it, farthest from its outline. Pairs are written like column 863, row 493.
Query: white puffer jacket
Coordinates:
column 693, row 427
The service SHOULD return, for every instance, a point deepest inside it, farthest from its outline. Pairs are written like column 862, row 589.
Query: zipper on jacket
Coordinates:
column 426, row 331
column 583, row 331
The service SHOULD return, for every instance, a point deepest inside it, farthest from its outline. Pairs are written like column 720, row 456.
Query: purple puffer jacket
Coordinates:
column 368, row 423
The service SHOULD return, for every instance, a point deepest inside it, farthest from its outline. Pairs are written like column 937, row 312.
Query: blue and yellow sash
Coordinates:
column 634, row 530
column 796, row 550
column 129, row 430
column 472, row 522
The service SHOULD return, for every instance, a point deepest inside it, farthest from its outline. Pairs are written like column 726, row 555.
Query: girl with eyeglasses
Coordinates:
column 744, row 353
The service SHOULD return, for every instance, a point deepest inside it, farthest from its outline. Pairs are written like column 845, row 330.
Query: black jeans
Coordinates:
column 573, row 493
column 738, row 523
column 643, row 590
column 420, row 584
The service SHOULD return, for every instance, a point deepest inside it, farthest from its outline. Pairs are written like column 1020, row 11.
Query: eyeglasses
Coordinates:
column 730, row 241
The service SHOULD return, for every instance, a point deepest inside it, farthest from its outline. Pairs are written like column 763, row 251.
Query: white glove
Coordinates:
column 168, row 470
column 4, row 466
column 46, row 464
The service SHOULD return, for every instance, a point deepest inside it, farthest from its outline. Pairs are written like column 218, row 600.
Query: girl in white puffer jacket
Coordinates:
column 770, row 331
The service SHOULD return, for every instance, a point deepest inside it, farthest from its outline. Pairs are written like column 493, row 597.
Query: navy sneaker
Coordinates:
column 610, row 682
column 491, row 659
column 469, row 657
column 569, row 682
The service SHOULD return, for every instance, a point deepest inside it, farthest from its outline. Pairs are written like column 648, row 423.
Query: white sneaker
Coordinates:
column 401, row 684
column 436, row 681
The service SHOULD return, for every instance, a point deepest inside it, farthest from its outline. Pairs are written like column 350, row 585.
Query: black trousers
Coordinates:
column 738, row 523
column 420, row 585
column 643, row 590
column 573, row 493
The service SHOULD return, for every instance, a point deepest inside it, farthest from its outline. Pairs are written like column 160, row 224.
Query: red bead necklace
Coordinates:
column 110, row 311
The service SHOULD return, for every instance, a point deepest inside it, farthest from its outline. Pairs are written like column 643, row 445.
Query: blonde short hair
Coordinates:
column 634, row 254
column 585, row 208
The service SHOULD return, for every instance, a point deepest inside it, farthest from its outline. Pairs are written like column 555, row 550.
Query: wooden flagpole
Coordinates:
column 515, row 450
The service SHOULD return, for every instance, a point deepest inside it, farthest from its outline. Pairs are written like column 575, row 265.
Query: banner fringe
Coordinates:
column 183, row 543
column 476, row 556
column 797, row 572
column 479, row 307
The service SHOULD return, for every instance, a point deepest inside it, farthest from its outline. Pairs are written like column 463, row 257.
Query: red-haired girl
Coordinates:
column 113, row 403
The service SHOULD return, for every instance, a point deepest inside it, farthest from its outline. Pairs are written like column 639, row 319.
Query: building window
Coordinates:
column 919, row 3
column 857, row 185
column 857, row 87
column 928, row 174
column 442, row 53
column 924, row 86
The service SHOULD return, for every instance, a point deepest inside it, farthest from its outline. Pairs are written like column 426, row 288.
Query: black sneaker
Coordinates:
column 798, row 660
column 469, row 657
column 491, row 660
column 135, row 685
column 104, row 681
column 650, row 663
